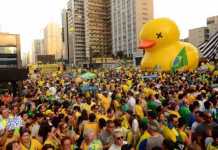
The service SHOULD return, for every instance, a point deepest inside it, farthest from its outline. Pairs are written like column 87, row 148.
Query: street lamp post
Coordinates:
column 90, row 63
column 68, row 45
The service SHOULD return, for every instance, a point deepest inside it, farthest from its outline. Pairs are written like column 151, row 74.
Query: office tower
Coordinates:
column 198, row 35
column 212, row 24
column 37, row 48
column 128, row 17
column 52, row 40
column 86, row 30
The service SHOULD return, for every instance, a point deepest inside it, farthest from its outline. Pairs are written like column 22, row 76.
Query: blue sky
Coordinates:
column 29, row 17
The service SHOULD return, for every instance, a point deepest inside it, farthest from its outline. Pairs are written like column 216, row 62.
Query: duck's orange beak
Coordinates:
column 146, row 44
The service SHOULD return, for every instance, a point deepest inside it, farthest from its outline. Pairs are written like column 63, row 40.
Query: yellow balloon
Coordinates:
column 160, row 40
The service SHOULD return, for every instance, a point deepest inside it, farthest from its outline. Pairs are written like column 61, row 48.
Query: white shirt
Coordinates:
column 135, row 125
column 53, row 90
column 131, row 103
column 202, row 108
column 115, row 147
column 194, row 126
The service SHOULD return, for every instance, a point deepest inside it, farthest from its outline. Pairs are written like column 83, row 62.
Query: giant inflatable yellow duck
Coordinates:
column 163, row 50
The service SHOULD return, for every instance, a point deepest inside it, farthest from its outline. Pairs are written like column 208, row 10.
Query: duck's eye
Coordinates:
column 159, row 35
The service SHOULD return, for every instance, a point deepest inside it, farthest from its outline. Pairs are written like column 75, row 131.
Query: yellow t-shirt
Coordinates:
column 125, row 122
column 41, row 82
column 211, row 147
column 117, row 105
column 85, row 146
column 99, row 116
column 170, row 134
column 148, row 92
column 105, row 102
column 91, row 125
column 85, row 106
column 190, row 98
column 183, row 135
column 51, row 142
column 144, row 136
column 35, row 145
column 3, row 123
column 139, row 110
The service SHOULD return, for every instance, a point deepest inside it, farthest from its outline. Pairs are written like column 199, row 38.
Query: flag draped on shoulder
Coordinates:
column 209, row 48
column 181, row 60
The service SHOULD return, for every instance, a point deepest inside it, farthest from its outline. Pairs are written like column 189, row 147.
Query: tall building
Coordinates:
column 37, row 49
column 128, row 17
column 212, row 23
column 74, row 32
column 88, row 25
column 24, row 57
column 98, row 28
column 52, row 40
column 198, row 35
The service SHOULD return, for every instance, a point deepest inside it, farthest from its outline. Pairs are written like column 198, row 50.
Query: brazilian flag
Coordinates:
column 180, row 61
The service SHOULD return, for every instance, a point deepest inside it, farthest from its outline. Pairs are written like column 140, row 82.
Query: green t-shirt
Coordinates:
column 96, row 145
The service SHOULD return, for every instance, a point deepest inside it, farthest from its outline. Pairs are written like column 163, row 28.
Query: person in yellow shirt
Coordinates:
column 169, row 130
column 110, row 114
column 138, row 109
column 8, row 137
column 105, row 101
column 48, row 147
column 91, row 124
column 27, row 143
column 66, row 144
column 52, row 139
column 13, row 145
column 91, row 142
column 145, row 135
column 174, row 109
column 183, row 136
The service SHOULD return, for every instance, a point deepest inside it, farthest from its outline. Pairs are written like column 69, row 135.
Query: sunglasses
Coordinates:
column 119, row 138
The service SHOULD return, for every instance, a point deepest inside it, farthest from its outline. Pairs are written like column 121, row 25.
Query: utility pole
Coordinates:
column 68, row 42
column 90, row 63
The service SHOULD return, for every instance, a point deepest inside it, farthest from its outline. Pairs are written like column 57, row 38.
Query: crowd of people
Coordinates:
column 121, row 109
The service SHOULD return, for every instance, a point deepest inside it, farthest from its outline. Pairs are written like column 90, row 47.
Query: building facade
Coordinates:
column 98, row 28
column 128, row 18
column 73, row 23
column 37, row 49
column 86, row 30
column 53, row 40
column 212, row 24
column 198, row 35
